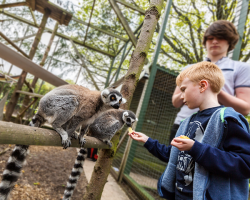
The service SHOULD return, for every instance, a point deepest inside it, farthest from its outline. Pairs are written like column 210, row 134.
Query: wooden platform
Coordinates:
column 57, row 13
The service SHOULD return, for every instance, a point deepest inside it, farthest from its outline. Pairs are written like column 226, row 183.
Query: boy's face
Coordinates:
column 216, row 46
column 190, row 93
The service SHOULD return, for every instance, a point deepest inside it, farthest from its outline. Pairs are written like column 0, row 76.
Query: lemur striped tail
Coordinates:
column 15, row 163
column 75, row 174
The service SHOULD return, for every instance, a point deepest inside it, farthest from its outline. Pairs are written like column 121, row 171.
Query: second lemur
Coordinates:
column 103, row 128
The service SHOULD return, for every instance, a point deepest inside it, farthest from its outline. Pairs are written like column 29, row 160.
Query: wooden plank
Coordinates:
column 27, row 65
column 29, row 94
column 9, row 5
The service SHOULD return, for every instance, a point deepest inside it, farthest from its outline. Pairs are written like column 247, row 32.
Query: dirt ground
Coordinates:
column 46, row 173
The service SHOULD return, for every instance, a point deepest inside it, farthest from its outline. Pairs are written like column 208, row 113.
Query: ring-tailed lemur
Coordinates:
column 65, row 108
column 103, row 128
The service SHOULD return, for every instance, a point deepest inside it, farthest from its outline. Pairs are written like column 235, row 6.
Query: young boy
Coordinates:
column 215, row 162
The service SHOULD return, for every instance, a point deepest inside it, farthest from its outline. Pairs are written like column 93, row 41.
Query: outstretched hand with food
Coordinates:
column 183, row 143
column 141, row 137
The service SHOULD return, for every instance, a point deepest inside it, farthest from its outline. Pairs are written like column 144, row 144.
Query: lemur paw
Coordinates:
column 74, row 136
column 66, row 143
column 82, row 141
column 108, row 143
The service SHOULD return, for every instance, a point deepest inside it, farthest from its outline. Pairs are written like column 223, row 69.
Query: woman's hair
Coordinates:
column 222, row 29
column 203, row 71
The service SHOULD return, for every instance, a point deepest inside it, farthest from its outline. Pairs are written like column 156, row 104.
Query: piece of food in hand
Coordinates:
column 130, row 130
column 184, row 137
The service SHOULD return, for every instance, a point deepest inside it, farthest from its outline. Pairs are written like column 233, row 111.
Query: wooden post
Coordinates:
column 14, row 98
column 27, row 98
column 46, row 53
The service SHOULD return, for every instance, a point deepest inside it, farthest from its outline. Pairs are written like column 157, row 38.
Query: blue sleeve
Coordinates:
column 160, row 151
column 233, row 161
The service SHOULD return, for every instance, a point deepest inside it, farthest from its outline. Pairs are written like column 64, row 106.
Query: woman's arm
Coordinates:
column 241, row 103
column 176, row 98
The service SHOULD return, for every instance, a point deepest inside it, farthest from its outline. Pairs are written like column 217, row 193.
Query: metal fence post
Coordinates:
column 240, row 25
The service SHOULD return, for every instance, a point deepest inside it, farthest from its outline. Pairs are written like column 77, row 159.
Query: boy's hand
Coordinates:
column 138, row 136
column 182, row 144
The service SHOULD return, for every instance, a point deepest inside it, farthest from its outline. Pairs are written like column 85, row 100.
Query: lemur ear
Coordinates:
column 123, row 101
column 119, row 88
column 125, row 114
column 105, row 93
column 136, row 119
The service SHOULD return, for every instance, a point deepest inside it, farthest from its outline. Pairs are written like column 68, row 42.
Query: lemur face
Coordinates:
column 129, row 118
column 113, row 98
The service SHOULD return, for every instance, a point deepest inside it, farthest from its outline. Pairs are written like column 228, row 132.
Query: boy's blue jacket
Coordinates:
column 218, row 186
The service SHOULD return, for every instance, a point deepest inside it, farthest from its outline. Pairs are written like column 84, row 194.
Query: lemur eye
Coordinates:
column 128, row 120
column 120, row 101
column 112, row 98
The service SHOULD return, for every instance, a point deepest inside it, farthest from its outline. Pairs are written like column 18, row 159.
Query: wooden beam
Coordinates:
column 33, row 5
column 58, row 34
column 123, row 21
column 100, row 29
column 29, row 94
column 63, row 17
column 84, row 65
column 128, row 5
column 13, row 44
column 86, row 34
column 25, row 37
column 12, row 133
column 33, row 16
column 9, row 5
column 27, row 65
